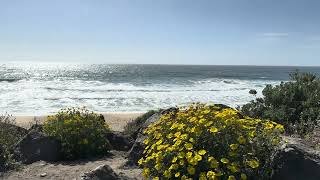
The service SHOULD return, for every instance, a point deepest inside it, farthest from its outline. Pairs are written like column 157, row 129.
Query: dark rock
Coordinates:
column 296, row 161
column 119, row 141
column 36, row 127
column 222, row 106
column 37, row 146
column 15, row 131
column 136, row 151
column 172, row 109
column 103, row 172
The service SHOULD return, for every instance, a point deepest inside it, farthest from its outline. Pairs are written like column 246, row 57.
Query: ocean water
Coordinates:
column 35, row 89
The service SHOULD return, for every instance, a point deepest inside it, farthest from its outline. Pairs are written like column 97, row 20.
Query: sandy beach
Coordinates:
column 116, row 120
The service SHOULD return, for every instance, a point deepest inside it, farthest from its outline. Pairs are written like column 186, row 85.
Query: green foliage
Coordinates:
column 82, row 133
column 209, row 142
column 134, row 126
column 9, row 135
column 295, row 104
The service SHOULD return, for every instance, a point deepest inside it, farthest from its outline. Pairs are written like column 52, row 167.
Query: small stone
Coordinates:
column 43, row 175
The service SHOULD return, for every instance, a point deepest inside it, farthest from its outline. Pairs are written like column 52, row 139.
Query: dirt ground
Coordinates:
column 72, row 170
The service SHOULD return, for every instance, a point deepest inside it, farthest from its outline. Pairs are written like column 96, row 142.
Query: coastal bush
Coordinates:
column 9, row 135
column 82, row 133
column 209, row 142
column 134, row 126
column 294, row 104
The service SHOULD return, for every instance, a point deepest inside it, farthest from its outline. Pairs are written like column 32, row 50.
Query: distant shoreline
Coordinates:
column 116, row 120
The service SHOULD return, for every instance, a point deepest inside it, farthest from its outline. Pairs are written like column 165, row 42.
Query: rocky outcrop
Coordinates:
column 119, row 141
column 103, row 172
column 37, row 146
column 16, row 131
column 296, row 160
column 136, row 151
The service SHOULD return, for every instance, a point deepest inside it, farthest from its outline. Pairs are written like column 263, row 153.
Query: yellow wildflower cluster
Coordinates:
column 207, row 142
column 82, row 133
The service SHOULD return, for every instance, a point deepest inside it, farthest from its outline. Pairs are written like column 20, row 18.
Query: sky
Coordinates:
column 216, row 32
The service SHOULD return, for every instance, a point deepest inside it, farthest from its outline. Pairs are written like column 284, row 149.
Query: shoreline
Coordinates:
column 116, row 120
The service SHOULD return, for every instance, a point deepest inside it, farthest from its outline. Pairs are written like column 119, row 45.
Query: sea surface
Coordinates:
column 37, row 89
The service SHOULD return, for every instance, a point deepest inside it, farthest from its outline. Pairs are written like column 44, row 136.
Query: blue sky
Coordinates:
column 231, row 32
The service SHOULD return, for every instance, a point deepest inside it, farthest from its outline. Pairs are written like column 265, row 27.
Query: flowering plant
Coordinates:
column 208, row 142
column 82, row 133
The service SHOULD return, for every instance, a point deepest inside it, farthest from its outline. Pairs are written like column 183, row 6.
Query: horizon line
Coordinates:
column 248, row 65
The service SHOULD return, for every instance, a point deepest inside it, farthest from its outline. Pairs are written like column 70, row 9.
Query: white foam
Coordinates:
column 36, row 96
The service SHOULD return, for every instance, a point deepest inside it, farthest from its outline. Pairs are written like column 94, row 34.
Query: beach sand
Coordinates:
column 116, row 120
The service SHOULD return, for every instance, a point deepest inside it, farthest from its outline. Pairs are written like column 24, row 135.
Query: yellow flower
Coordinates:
column 202, row 120
column 174, row 159
column 198, row 157
column 269, row 125
column 231, row 178
column 213, row 129
column 234, row 168
column 140, row 161
column 159, row 142
column 280, row 127
column 181, row 155
column 202, row 152
column 191, row 140
column 189, row 154
column 177, row 174
column 188, row 146
column 253, row 163
column 243, row 176
column 177, row 134
column 191, row 170
column 224, row 160
column 184, row 136
column 174, row 167
column 146, row 172
column 158, row 166
column 155, row 178
column 211, row 174
column 167, row 174
column 234, row 146
column 241, row 140
column 184, row 177
column 146, row 141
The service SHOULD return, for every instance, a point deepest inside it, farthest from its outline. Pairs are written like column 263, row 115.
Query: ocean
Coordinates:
column 37, row 89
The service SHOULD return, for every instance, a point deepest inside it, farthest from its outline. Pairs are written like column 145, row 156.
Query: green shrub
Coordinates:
column 134, row 126
column 209, row 142
column 294, row 104
column 82, row 133
column 9, row 135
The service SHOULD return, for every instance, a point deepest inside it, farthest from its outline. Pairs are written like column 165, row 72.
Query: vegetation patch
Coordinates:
column 133, row 127
column 82, row 133
column 9, row 135
column 209, row 142
column 294, row 104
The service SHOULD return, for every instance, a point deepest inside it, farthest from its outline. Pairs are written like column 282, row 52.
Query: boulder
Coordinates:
column 37, row 146
column 136, row 151
column 103, row 172
column 15, row 130
column 119, row 141
column 296, row 160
